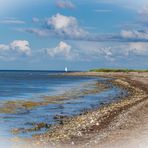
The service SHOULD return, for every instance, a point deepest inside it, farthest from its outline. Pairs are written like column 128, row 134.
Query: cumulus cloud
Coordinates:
column 65, row 26
column 59, row 25
column 81, row 52
column 91, row 51
column 21, row 46
column 62, row 50
column 65, row 4
column 14, row 49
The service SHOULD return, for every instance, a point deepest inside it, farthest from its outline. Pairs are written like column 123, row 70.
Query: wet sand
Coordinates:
column 119, row 124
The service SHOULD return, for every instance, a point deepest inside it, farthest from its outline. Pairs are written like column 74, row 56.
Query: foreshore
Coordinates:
column 112, row 125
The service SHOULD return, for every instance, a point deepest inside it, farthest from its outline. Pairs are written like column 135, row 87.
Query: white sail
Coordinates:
column 66, row 69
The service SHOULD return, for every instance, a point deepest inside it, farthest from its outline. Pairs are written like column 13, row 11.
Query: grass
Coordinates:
column 117, row 70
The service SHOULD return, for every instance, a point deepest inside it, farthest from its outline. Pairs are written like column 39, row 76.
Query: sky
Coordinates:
column 80, row 35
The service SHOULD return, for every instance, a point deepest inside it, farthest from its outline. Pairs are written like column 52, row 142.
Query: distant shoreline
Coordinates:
column 118, row 70
column 83, row 129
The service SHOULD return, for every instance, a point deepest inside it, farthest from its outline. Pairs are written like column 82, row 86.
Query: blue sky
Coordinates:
column 80, row 35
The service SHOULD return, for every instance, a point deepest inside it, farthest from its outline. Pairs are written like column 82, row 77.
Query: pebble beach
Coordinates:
column 109, row 125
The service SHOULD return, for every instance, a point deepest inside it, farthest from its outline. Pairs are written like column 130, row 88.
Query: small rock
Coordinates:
column 72, row 143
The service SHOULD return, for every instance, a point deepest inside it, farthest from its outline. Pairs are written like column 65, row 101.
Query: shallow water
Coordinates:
column 34, row 86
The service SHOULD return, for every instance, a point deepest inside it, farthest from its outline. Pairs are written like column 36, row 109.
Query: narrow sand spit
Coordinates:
column 119, row 124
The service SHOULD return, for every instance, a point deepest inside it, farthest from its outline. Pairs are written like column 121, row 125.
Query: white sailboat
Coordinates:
column 66, row 69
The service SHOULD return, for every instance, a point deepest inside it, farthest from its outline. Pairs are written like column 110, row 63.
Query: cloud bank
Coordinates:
column 67, row 27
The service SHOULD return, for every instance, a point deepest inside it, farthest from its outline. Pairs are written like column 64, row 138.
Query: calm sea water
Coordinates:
column 28, row 84
column 33, row 85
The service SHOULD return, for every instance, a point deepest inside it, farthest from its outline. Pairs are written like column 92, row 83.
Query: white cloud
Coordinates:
column 4, row 47
column 143, row 15
column 89, row 51
column 63, row 50
column 138, row 30
column 21, row 46
column 138, row 48
column 135, row 34
column 61, row 26
column 39, row 32
column 65, row 26
column 35, row 19
column 93, row 51
column 128, row 33
column 14, row 49
column 143, row 10
column 65, row 4
column 12, row 21
column 102, row 10
column 107, row 51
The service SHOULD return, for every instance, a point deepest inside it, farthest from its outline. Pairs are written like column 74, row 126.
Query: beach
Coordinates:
column 39, row 100
column 98, row 109
column 74, row 74
column 122, row 123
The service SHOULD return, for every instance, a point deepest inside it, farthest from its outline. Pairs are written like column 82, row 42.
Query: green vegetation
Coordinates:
column 116, row 70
